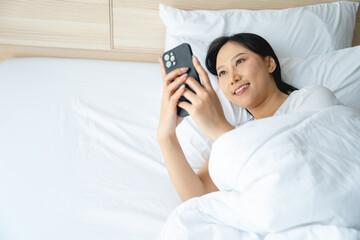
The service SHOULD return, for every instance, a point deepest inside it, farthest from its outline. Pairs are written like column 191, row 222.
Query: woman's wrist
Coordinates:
column 164, row 137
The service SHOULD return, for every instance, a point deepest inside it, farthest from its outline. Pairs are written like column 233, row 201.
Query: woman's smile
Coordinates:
column 241, row 89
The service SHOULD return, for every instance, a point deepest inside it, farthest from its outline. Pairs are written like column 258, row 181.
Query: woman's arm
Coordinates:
column 186, row 182
column 206, row 109
column 204, row 176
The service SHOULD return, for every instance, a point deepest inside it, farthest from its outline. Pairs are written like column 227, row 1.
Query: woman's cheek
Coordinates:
column 248, row 72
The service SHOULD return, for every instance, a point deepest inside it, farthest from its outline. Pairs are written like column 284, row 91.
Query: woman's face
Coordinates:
column 244, row 76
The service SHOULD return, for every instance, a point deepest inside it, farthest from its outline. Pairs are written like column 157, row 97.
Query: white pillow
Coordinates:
column 293, row 32
column 288, row 31
column 339, row 71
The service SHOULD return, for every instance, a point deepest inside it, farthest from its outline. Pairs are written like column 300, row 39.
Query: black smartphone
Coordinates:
column 178, row 57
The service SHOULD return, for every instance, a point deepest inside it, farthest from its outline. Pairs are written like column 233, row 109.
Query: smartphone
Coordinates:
column 181, row 56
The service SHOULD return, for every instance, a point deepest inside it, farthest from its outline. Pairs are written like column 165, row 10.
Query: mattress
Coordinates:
column 78, row 152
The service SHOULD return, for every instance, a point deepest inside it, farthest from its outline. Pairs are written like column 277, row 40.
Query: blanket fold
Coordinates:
column 295, row 176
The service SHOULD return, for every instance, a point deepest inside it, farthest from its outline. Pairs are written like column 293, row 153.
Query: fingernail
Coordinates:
column 159, row 59
column 183, row 77
column 195, row 58
column 184, row 69
column 181, row 86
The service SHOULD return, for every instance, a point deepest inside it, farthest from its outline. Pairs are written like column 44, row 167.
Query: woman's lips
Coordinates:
column 241, row 89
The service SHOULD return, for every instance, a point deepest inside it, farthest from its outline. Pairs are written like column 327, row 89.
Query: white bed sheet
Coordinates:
column 78, row 151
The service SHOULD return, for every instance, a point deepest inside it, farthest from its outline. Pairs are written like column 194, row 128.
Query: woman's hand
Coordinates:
column 205, row 107
column 172, row 91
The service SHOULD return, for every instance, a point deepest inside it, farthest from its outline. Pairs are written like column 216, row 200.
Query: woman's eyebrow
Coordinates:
column 231, row 60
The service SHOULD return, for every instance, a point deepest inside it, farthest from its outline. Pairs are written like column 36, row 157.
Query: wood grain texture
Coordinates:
column 51, row 23
column 105, row 29
column 16, row 51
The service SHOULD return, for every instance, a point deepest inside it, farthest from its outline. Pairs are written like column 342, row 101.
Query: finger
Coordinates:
column 176, row 96
column 176, row 83
column 168, row 78
column 186, row 106
column 189, row 95
column 174, row 74
column 194, row 85
column 202, row 73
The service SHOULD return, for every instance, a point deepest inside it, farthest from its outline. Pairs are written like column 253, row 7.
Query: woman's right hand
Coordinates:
column 172, row 91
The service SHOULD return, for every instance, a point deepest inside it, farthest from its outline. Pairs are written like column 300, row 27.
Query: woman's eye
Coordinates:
column 221, row 73
column 240, row 61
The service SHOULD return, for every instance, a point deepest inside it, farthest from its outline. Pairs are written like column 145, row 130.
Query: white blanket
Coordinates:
column 295, row 176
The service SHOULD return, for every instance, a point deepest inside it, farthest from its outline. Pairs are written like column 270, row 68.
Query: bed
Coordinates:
column 78, row 152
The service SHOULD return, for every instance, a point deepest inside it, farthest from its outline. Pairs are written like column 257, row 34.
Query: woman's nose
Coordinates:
column 234, row 78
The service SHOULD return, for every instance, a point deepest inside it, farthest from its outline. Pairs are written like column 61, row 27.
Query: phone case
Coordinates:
column 181, row 56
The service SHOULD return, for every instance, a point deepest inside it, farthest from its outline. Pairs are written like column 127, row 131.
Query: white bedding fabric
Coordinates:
column 78, row 151
column 294, row 176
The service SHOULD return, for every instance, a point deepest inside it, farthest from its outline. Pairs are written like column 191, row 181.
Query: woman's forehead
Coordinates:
column 232, row 46
column 229, row 50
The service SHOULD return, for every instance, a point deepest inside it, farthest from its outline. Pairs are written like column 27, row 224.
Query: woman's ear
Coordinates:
column 271, row 64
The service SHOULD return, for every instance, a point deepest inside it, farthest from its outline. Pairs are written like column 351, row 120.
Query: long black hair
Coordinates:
column 253, row 43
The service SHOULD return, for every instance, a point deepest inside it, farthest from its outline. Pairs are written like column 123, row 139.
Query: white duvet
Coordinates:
column 295, row 176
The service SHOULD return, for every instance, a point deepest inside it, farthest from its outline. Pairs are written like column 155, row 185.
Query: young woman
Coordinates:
column 249, row 74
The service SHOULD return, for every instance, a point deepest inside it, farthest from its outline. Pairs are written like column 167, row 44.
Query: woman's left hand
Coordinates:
column 205, row 107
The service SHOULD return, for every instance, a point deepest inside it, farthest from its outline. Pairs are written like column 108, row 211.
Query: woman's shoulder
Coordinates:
column 312, row 98
column 315, row 89
column 318, row 94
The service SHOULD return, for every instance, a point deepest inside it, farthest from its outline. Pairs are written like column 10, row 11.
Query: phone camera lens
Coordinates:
column 168, row 64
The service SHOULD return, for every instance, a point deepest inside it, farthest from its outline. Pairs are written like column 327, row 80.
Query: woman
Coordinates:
column 249, row 74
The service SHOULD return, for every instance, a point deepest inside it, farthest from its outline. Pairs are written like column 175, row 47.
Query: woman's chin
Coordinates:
column 243, row 104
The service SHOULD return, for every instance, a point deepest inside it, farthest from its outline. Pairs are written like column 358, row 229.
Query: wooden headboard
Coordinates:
column 104, row 29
